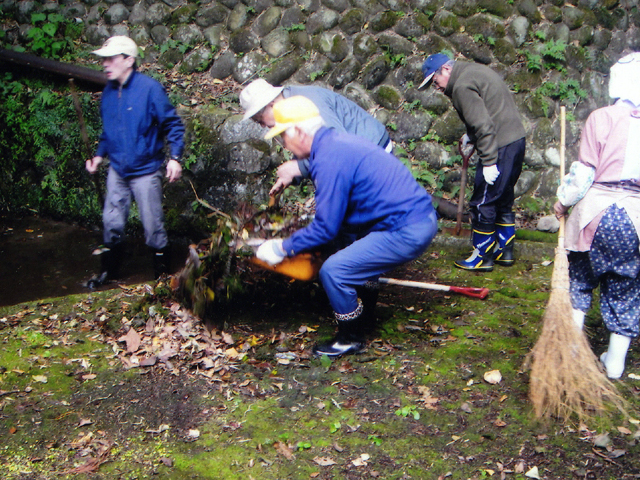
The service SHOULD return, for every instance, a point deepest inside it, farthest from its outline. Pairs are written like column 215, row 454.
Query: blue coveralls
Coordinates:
column 367, row 194
column 137, row 117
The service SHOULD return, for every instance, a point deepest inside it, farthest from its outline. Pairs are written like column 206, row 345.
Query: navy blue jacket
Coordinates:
column 360, row 188
column 136, row 119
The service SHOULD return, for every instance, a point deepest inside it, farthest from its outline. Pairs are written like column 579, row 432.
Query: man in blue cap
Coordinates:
column 486, row 107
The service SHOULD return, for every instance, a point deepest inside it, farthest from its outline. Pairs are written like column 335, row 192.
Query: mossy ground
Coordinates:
column 415, row 405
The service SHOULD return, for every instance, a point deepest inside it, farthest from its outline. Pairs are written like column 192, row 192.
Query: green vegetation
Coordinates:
column 41, row 136
column 415, row 403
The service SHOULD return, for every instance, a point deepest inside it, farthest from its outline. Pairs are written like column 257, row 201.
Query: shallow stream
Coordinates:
column 42, row 258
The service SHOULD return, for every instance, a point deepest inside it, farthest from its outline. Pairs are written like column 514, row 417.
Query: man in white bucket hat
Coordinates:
column 258, row 98
column 137, row 118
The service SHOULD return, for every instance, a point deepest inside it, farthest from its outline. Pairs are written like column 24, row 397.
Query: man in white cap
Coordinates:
column 367, row 202
column 603, row 186
column 486, row 107
column 137, row 118
column 258, row 98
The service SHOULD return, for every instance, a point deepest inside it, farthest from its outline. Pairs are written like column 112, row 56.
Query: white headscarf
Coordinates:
column 624, row 80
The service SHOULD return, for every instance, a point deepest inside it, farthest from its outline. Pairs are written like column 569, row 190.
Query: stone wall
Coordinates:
column 549, row 52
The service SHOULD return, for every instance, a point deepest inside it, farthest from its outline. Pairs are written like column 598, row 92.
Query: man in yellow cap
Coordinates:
column 367, row 202
column 137, row 118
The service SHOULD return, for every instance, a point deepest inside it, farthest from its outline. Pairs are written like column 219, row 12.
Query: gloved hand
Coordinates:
column 271, row 251
column 491, row 174
column 464, row 140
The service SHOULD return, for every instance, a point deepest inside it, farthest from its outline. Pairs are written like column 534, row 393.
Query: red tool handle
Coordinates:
column 471, row 291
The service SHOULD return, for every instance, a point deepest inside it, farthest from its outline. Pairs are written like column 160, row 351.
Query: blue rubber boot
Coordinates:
column 506, row 236
column 481, row 258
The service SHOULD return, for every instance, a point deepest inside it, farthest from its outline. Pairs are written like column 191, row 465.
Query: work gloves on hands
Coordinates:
column 491, row 174
column 271, row 251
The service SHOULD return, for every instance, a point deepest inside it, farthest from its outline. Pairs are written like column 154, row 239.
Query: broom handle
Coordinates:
column 562, row 151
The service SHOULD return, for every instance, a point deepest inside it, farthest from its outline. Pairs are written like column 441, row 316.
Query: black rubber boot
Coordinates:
column 368, row 294
column 110, row 259
column 505, row 236
column 160, row 261
column 481, row 258
column 349, row 338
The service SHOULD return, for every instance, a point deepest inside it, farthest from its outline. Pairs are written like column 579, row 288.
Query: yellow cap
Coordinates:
column 290, row 112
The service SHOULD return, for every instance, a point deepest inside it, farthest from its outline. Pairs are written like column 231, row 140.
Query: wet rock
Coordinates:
column 267, row 21
column 157, row 14
column 322, row 20
column 276, row 43
column 96, row 34
column 410, row 126
column 117, row 13
column 375, row 72
column 433, row 153
column 529, row 9
column 247, row 66
column 198, row 60
column 243, row 41
column 445, row 23
column 388, row 97
column 284, row 68
column 223, row 66
column 346, row 72
column 211, row 15
column 549, row 224
column 353, row 21
column 364, row 47
column 237, row 18
column 188, row 35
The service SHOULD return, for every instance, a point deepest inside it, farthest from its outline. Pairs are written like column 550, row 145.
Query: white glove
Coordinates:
column 490, row 174
column 271, row 252
column 464, row 140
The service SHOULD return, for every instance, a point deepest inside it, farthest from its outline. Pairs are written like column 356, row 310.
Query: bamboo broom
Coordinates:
column 566, row 377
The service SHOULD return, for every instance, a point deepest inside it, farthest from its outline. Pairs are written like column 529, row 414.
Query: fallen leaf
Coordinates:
column 533, row 473
column 465, row 407
column 193, row 434
column 500, row 423
column 634, row 376
column 361, row 461
column 132, row 340
column 83, row 422
column 493, row 377
column 624, row 430
column 148, row 361
column 602, row 440
column 617, row 453
column 324, row 461
column 166, row 461
column 89, row 376
column 228, row 339
column 40, row 378
column 284, row 450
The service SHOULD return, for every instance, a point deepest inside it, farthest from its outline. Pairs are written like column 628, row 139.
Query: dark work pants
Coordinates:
column 489, row 201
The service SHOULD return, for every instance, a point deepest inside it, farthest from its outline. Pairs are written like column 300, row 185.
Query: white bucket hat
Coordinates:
column 625, row 78
column 118, row 45
column 257, row 95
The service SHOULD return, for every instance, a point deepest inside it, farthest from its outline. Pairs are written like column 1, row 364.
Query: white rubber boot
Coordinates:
column 613, row 359
column 578, row 318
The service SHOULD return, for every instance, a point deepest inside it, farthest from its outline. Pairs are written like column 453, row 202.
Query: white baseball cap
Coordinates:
column 257, row 95
column 118, row 45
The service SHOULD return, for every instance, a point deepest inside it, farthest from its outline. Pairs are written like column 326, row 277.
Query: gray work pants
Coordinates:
column 147, row 192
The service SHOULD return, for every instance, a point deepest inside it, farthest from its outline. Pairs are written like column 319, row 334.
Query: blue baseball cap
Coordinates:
column 431, row 65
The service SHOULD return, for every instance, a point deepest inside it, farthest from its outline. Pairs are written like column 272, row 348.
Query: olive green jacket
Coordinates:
column 486, row 106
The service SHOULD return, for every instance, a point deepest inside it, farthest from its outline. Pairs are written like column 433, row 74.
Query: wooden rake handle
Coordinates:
column 480, row 293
